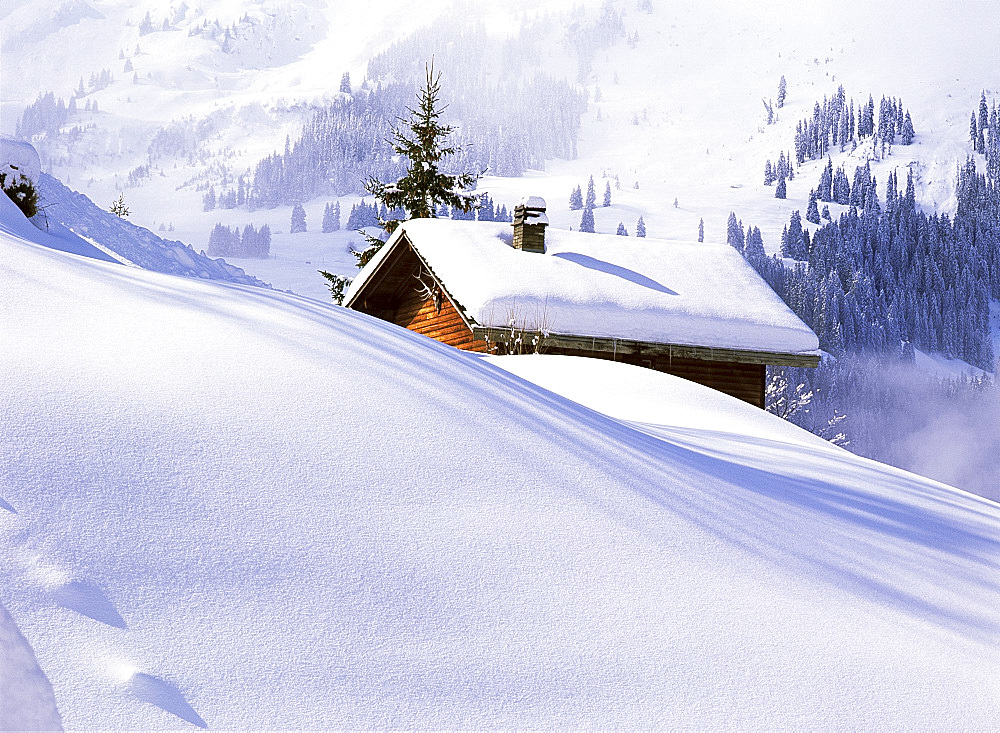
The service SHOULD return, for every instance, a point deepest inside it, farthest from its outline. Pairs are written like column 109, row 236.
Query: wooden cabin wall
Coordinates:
column 421, row 315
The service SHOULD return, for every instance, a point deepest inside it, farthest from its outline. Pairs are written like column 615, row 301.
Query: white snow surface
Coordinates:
column 19, row 158
column 650, row 399
column 674, row 292
column 26, row 699
column 227, row 507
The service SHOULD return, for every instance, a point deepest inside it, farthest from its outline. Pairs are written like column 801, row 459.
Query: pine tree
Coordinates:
column 264, row 241
column 345, row 83
column 119, row 208
column 841, row 187
column 298, row 223
column 782, row 91
column 576, row 199
column 779, row 190
column 908, row 133
column 591, row 200
column 622, row 231
column 866, row 125
column 984, row 113
column 424, row 186
column 824, row 192
column 607, row 193
column 640, row 228
column 587, row 220
column 734, row 232
column 812, row 210
column 327, row 226
column 701, row 230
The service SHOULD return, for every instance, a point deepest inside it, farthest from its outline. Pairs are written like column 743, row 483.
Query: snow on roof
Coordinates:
column 606, row 286
column 532, row 202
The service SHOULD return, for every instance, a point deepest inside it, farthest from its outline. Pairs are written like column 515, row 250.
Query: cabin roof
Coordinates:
column 601, row 286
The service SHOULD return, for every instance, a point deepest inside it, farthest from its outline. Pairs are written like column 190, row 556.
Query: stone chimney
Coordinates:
column 529, row 224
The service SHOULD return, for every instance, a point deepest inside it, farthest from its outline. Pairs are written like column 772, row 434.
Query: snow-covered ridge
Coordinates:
column 132, row 243
column 71, row 222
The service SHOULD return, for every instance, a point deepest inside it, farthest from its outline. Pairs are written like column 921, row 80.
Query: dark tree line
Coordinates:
column 512, row 117
column 345, row 142
column 251, row 242
column 43, row 116
column 885, row 281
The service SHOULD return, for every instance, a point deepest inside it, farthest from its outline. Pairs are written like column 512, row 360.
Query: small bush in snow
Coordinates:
column 21, row 191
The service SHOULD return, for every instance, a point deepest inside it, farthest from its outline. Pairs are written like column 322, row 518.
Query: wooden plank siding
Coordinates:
column 423, row 316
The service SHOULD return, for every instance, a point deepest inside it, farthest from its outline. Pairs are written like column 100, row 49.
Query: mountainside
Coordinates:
column 229, row 507
column 251, row 73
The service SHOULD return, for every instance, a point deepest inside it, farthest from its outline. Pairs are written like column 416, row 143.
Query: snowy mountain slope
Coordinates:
column 650, row 121
column 229, row 507
column 132, row 244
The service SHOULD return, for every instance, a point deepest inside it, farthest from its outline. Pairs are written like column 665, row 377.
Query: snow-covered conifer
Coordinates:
column 812, row 210
column 576, row 199
column 908, row 134
column 734, row 232
column 298, row 222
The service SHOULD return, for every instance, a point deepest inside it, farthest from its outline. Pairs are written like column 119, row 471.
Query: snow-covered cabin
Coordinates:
column 696, row 310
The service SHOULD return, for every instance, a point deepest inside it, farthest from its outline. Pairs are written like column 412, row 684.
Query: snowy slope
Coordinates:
column 650, row 120
column 70, row 222
column 125, row 242
column 26, row 699
column 233, row 508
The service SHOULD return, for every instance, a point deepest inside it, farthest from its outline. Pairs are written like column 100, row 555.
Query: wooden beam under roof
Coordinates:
column 647, row 348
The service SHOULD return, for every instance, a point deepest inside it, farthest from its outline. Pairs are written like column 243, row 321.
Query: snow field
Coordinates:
column 238, row 508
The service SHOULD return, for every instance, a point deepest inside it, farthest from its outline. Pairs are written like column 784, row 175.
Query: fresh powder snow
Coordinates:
column 228, row 507
column 26, row 699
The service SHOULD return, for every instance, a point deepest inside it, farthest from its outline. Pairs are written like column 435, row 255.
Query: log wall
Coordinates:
column 445, row 325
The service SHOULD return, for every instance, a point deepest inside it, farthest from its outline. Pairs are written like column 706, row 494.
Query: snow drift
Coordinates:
column 226, row 507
